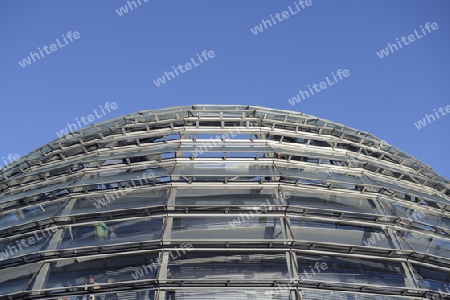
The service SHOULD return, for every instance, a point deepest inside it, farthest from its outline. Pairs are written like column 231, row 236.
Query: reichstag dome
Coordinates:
column 223, row 202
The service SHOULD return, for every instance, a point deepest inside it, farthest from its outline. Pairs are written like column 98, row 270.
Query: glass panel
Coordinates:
column 350, row 270
column 433, row 279
column 95, row 182
column 205, row 197
column 248, row 294
column 246, row 226
column 338, row 295
column 114, row 201
column 107, row 233
column 146, row 294
column 30, row 214
column 333, row 232
column 17, row 279
column 393, row 185
column 78, row 271
column 34, row 191
column 425, row 243
column 439, row 247
column 219, row 146
column 417, row 214
column 350, row 203
column 308, row 153
column 25, row 244
column 147, row 152
column 154, row 150
column 224, row 169
column 107, row 176
column 258, row 267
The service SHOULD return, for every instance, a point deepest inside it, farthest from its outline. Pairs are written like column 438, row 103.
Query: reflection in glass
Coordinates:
column 26, row 244
column 17, row 278
column 349, row 203
column 243, row 266
column 79, row 271
column 350, row 270
column 115, row 201
column 228, row 197
column 334, row 232
column 30, row 214
column 114, row 232
column 246, row 226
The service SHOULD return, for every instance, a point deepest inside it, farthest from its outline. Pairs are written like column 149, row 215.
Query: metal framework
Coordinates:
column 222, row 202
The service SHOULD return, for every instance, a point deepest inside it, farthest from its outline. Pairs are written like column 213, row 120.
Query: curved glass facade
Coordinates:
column 222, row 202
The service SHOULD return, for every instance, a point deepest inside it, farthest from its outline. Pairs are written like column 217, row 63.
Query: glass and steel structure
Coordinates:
column 222, row 202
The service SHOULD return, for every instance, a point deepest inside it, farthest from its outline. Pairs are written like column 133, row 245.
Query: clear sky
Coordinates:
column 117, row 58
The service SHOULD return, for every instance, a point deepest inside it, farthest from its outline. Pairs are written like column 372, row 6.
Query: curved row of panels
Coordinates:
column 97, row 179
column 188, row 266
column 70, row 168
column 231, row 203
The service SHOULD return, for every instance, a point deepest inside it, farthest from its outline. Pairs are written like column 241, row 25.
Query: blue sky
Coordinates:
column 117, row 58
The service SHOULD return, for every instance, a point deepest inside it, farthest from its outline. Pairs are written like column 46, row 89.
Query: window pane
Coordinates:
column 114, row 232
column 243, row 227
column 115, row 201
column 228, row 197
column 267, row 267
column 350, row 270
column 77, row 272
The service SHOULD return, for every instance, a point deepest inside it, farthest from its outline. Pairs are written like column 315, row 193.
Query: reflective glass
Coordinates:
column 25, row 244
column 259, row 267
column 246, row 226
column 31, row 213
column 432, row 278
column 333, row 232
column 350, row 203
column 230, row 197
column 309, row 294
column 77, row 272
column 113, row 232
column 119, row 201
column 17, row 278
column 350, row 270
column 243, row 169
column 247, row 294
